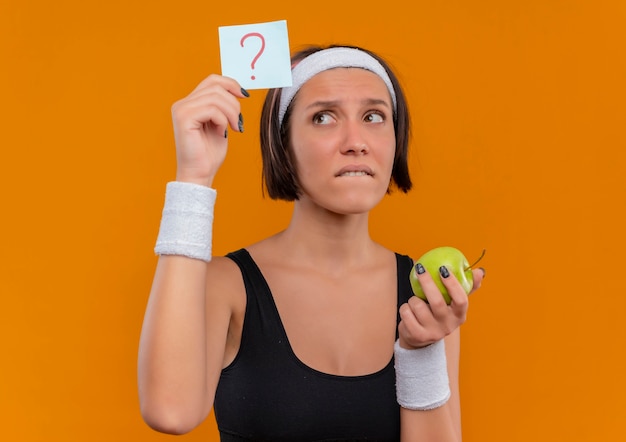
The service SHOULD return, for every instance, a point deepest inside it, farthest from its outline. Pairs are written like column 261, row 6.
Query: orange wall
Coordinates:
column 519, row 148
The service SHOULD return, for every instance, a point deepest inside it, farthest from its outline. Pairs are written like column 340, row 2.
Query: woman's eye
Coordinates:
column 374, row 117
column 322, row 118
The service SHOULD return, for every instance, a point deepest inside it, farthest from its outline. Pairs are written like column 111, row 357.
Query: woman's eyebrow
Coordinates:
column 376, row 101
column 333, row 103
column 323, row 103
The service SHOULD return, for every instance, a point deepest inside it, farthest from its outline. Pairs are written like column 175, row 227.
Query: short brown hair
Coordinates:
column 279, row 171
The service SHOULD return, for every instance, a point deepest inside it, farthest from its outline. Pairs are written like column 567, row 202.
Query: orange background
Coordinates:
column 519, row 148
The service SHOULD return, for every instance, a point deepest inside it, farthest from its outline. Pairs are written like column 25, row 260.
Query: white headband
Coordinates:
column 331, row 58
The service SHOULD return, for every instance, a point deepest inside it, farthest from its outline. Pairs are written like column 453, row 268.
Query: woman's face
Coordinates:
column 343, row 140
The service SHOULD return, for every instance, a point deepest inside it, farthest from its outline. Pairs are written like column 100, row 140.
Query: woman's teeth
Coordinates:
column 354, row 173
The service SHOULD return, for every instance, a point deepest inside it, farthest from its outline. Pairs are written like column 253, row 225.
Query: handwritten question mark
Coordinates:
column 254, row 60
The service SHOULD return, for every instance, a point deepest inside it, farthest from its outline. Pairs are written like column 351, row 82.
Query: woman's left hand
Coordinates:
column 423, row 323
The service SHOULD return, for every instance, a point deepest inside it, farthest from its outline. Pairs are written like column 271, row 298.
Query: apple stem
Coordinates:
column 477, row 261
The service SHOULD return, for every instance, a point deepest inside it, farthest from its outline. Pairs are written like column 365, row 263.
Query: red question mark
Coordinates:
column 254, row 34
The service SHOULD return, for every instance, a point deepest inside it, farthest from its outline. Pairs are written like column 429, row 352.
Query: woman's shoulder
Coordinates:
column 224, row 279
column 385, row 251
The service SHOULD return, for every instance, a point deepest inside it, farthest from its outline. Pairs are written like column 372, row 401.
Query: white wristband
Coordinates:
column 187, row 221
column 421, row 376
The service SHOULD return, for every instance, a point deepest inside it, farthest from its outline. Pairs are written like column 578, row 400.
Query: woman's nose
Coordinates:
column 354, row 142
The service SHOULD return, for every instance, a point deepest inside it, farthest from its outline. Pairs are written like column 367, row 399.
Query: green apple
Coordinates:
column 455, row 262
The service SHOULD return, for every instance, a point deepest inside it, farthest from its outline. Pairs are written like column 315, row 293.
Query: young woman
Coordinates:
column 313, row 333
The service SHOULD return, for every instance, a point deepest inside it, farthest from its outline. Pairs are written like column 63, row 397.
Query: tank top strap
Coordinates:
column 405, row 265
column 259, row 301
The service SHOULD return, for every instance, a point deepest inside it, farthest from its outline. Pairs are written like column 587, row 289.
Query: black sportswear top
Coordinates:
column 268, row 394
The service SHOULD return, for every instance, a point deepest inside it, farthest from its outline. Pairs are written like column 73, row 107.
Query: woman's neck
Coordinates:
column 327, row 239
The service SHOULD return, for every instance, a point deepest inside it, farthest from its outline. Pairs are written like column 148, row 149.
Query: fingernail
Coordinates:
column 443, row 271
column 484, row 271
column 226, row 133
column 419, row 268
column 240, row 123
column 245, row 92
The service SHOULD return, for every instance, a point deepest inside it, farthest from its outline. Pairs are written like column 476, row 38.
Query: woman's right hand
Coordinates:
column 201, row 123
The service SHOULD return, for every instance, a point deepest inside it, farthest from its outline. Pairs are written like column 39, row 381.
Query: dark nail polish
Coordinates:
column 419, row 268
column 245, row 92
column 443, row 271
column 226, row 133
column 240, row 123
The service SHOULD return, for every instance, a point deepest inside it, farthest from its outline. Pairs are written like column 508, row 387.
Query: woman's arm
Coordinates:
column 185, row 328
column 424, row 324
column 442, row 423
column 174, row 388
